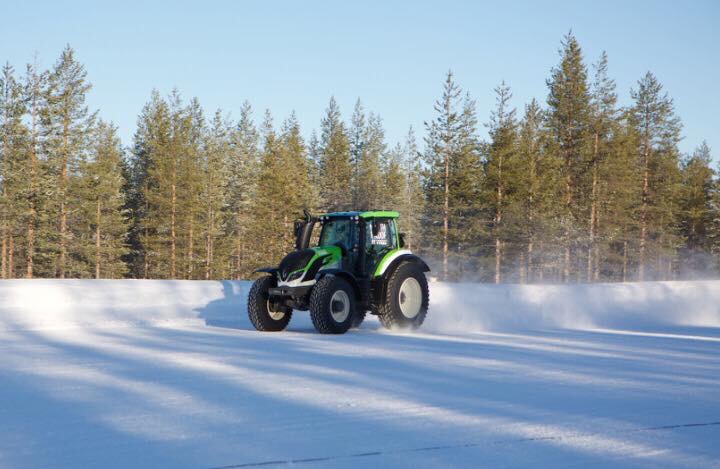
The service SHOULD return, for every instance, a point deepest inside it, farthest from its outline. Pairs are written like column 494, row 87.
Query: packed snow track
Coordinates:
column 171, row 374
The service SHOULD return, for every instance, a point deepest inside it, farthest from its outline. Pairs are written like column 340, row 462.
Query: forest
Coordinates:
column 570, row 187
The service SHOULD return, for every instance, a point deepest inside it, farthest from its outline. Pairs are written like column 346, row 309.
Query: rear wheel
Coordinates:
column 406, row 298
column 260, row 310
column 332, row 305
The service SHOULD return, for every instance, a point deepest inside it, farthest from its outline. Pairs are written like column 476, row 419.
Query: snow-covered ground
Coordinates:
column 170, row 374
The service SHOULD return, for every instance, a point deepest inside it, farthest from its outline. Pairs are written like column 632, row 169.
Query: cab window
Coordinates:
column 337, row 232
column 382, row 236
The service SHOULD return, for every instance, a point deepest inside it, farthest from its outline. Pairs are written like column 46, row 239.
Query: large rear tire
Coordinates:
column 332, row 305
column 406, row 300
column 259, row 308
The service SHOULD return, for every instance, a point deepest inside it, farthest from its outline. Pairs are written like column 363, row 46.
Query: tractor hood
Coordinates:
column 302, row 265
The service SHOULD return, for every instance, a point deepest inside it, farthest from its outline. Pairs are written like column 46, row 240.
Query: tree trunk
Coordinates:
column 625, row 261
column 209, row 244
column 529, row 259
column 11, row 261
column 3, row 247
column 498, row 221
column 173, row 208
column 446, row 216
column 191, row 248
column 593, row 209
column 63, row 197
column 568, row 216
column 643, row 212
column 30, row 251
column 97, row 240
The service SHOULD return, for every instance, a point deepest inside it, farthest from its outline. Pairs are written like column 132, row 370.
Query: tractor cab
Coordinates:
column 363, row 238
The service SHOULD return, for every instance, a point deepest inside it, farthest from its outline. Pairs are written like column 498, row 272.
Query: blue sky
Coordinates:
column 294, row 55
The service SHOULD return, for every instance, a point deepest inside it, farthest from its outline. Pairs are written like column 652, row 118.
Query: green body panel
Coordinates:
column 368, row 214
column 386, row 258
column 334, row 252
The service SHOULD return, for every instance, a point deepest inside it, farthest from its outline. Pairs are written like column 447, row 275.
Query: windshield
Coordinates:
column 337, row 231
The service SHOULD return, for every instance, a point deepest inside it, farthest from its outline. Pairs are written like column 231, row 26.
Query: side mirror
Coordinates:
column 402, row 240
column 298, row 227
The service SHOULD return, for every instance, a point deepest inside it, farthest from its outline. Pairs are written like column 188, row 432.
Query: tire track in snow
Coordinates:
column 278, row 462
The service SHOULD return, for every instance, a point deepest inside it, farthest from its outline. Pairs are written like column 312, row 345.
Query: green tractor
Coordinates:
column 359, row 265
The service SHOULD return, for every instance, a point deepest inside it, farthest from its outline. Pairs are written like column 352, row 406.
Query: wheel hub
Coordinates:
column 340, row 306
column 275, row 315
column 410, row 297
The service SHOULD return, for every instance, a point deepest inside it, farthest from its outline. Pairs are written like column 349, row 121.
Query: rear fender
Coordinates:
column 380, row 283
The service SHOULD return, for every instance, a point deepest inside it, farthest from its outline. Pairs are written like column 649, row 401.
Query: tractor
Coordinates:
column 357, row 265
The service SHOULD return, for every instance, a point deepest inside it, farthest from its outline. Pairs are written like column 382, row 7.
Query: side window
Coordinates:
column 382, row 236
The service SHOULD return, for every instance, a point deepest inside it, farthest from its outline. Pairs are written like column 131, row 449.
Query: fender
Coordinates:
column 268, row 270
column 380, row 282
column 344, row 274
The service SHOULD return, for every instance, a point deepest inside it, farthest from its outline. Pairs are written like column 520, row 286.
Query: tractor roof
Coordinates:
column 367, row 214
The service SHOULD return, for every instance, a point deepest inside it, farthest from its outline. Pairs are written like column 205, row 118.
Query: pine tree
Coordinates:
column 214, row 194
column 453, row 179
column 335, row 165
column 66, row 127
column 617, row 197
column 192, row 131
column 568, row 122
column 14, row 170
column 537, row 179
column 501, row 173
column 659, row 132
column 413, row 204
column 370, row 192
column 243, row 178
column 103, row 225
column 282, row 191
column 696, row 211
column 37, row 227
column 603, row 122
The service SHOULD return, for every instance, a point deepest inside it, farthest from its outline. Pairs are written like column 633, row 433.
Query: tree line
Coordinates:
column 576, row 189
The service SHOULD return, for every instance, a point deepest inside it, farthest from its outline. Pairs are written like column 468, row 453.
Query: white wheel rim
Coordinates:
column 274, row 315
column 340, row 306
column 410, row 297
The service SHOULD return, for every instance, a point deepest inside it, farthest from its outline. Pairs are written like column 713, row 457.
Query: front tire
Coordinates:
column 406, row 298
column 332, row 305
column 259, row 309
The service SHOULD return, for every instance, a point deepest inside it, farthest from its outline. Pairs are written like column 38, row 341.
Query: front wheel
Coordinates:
column 406, row 298
column 332, row 305
column 260, row 310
